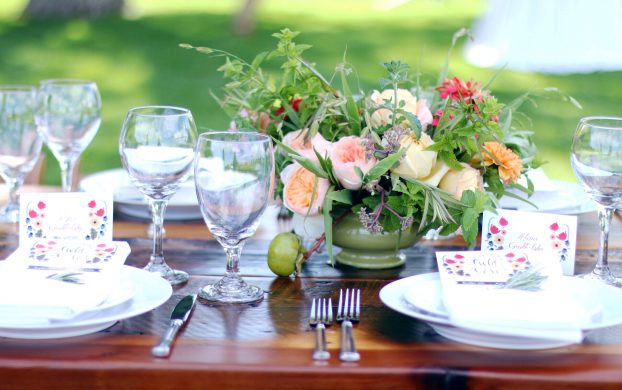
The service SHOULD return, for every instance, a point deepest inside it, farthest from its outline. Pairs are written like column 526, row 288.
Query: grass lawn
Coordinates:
column 136, row 60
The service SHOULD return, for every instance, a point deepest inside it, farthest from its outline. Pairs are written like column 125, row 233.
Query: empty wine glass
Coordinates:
column 20, row 144
column 233, row 173
column 596, row 158
column 157, row 149
column 68, row 117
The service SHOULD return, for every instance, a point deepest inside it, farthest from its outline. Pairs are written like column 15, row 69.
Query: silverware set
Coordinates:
column 348, row 312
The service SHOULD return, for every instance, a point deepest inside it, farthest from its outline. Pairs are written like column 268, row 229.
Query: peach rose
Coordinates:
column 296, row 141
column 417, row 162
column 346, row 154
column 456, row 182
column 411, row 105
column 303, row 192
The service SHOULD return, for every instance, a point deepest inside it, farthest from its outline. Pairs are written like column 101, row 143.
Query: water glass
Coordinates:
column 233, row 172
column 157, row 149
column 596, row 158
column 20, row 144
column 68, row 117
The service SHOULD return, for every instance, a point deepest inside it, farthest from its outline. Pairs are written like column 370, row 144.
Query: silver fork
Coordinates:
column 348, row 311
column 320, row 317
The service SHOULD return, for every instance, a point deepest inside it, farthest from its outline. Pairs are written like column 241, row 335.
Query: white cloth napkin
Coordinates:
column 559, row 311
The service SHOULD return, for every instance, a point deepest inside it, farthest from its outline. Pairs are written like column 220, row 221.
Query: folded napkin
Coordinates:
column 58, row 280
column 475, row 296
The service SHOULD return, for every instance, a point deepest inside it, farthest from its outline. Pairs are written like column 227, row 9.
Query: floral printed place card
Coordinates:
column 71, row 216
column 520, row 230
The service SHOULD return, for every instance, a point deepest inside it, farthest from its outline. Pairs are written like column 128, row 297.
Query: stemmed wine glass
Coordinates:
column 596, row 158
column 233, row 172
column 68, row 117
column 20, row 144
column 157, row 149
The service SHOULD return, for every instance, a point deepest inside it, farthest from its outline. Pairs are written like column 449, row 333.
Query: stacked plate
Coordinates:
column 420, row 297
column 183, row 205
column 138, row 291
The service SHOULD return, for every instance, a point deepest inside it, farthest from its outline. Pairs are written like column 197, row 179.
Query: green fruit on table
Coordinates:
column 285, row 254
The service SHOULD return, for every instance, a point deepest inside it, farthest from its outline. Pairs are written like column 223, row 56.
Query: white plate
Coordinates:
column 427, row 306
column 150, row 291
column 567, row 198
column 183, row 205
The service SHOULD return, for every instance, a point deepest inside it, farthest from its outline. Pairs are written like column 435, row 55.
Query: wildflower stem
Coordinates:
column 322, row 238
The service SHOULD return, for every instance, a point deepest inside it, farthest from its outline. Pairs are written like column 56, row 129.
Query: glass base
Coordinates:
column 172, row 276
column 231, row 291
column 9, row 216
column 608, row 278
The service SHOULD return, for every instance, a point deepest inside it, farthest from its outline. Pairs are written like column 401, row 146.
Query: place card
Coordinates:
column 69, row 216
column 77, row 255
column 522, row 230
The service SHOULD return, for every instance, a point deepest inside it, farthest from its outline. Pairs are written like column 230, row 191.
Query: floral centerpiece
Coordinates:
column 399, row 157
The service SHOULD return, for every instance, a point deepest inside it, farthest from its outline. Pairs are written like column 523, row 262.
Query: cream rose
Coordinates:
column 296, row 141
column 416, row 107
column 456, row 182
column 346, row 154
column 436, row 174
column 418, row 162
column 303, row 192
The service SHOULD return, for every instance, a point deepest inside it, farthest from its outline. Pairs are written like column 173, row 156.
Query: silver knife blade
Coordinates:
column 178, row 317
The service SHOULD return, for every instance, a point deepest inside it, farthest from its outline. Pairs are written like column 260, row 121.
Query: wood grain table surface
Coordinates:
column 269, row 345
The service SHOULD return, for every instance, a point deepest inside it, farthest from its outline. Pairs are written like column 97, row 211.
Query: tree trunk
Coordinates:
column 67, row 9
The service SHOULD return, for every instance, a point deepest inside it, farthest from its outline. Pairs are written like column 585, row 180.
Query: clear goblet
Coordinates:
column 233, row 173
column 596, row 158
column 20, row 144
column 157, row 149
column 68, row 117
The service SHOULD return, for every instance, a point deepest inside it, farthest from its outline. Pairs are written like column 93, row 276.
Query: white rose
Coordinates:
column 456, row 182
column 417, row 162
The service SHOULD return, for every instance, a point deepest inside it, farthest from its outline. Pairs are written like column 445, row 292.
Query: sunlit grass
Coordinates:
column 136, row 59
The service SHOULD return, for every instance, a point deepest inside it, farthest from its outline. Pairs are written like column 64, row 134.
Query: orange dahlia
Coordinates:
column 510, row 165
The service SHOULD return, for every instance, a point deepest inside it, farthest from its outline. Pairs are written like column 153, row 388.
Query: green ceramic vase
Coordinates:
column 362, row 249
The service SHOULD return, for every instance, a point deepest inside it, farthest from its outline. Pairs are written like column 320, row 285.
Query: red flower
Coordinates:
column 503, row 222
column 459, row 257
column 521, row 259
column 108, row 249
column 494, row 229
column 450, row 261
column 32, row 214
column 562, row 236
column 39, row 246
column 554, row 227
column 457, row 89
column 510, row 255
column 100, row 212
column 101, row 245
column 295, row 103
column 41, row 205
column 92, row 204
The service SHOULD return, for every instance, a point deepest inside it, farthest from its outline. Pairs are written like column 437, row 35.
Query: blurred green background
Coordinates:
column 135, row 59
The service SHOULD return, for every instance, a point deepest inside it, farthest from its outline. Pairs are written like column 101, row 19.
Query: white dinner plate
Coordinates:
column 150, row 291
column 427, row 306
column 183, row 205
column 560, row 197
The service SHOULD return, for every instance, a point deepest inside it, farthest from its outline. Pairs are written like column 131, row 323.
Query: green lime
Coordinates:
column 283, row 253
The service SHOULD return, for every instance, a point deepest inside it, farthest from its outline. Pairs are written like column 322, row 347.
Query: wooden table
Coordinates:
column 268, row 345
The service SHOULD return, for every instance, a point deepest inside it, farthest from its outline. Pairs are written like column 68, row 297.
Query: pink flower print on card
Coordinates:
column 103, row 252
column 98, row 219
column 454, row 264
column 35, row 219
column 560, row 241
column 517, row 263
column 495, row 237
column 40, row 250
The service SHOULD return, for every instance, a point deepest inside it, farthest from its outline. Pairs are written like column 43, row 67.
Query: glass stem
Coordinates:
column 157, row 206
column 14, row 184
column 67, row 167
column 233, row 259
column 604, row 218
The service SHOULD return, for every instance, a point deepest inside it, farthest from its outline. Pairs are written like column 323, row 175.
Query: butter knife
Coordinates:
column 178, row 318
